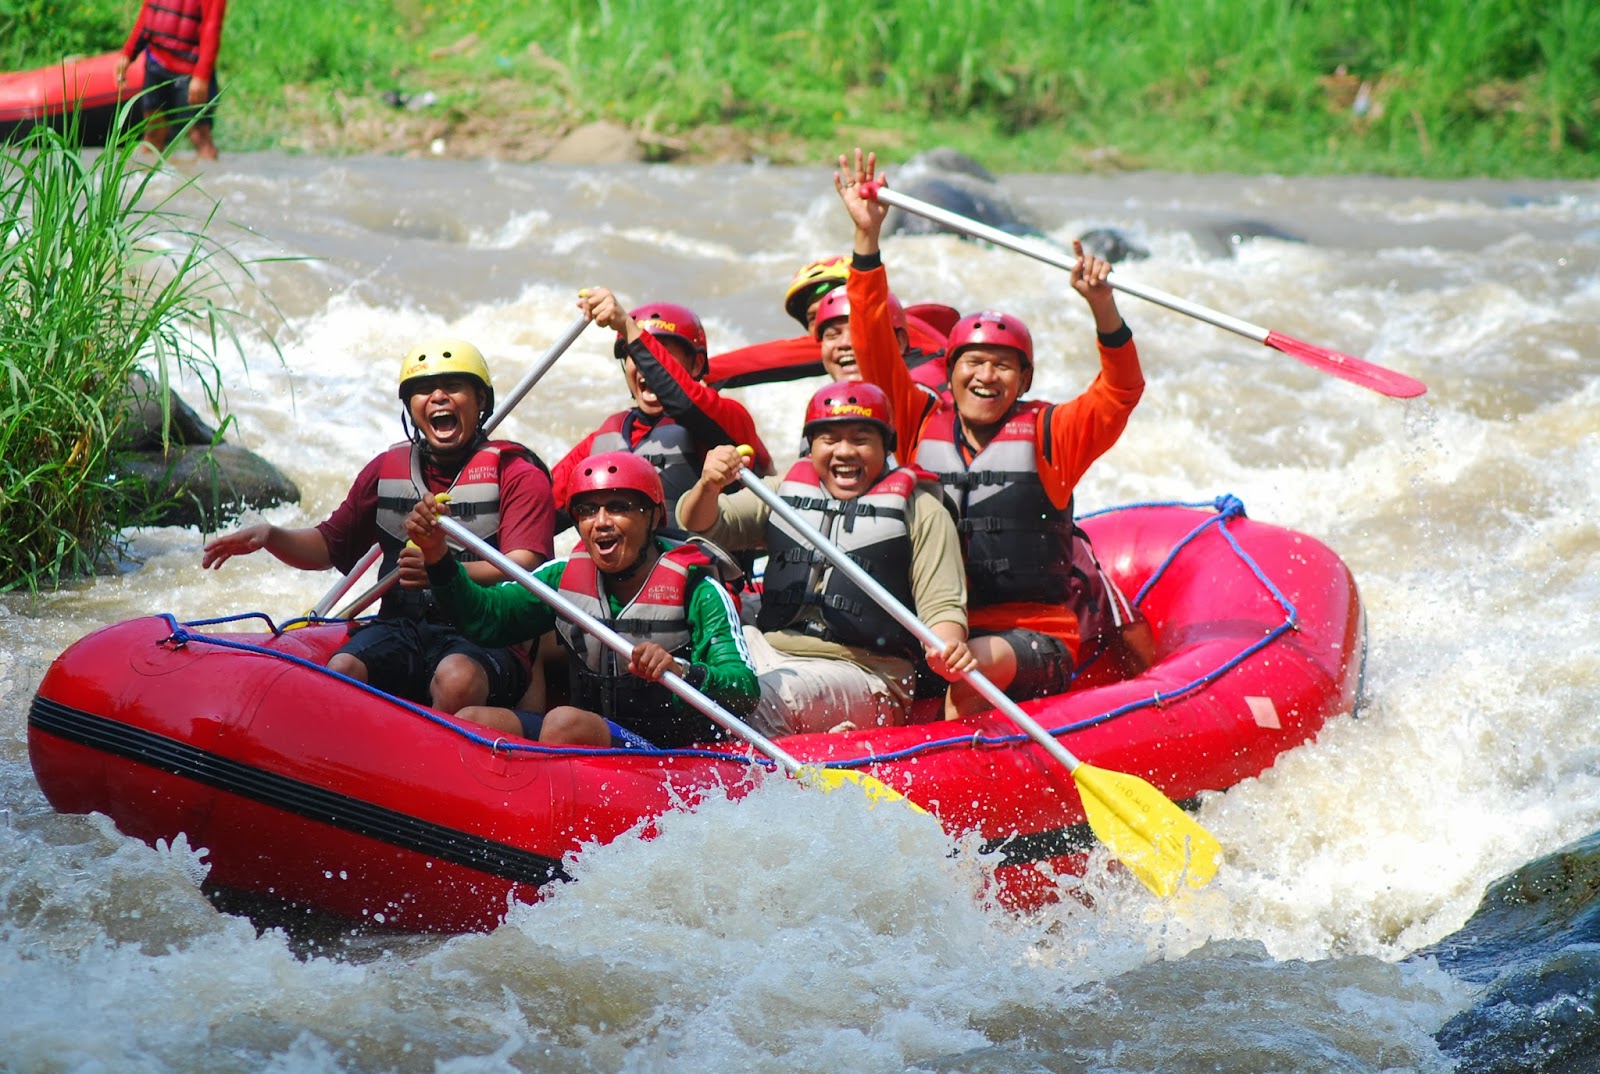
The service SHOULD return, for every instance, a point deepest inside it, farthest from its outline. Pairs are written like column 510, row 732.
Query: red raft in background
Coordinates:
column 50, row 94
column 313, row 790
column 927, row 327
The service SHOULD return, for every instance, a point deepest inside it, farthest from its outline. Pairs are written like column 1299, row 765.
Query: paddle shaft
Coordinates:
column 905, row 616
column 344, row 584
column 1060, row 259
column 501, row 412
column 1347, row 367
column 616, row 642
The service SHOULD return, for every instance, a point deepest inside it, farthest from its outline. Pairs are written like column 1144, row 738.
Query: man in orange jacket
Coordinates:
column 1036, row 597
column 180, row 40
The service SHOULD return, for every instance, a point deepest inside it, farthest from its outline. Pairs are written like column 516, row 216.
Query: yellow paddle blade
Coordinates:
column 1157, row 841
column 831, row 779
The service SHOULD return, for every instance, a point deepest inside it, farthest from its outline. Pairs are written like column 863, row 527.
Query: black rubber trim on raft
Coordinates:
column 294, row 796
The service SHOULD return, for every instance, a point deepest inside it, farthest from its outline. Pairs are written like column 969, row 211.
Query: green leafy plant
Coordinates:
column 102, row 274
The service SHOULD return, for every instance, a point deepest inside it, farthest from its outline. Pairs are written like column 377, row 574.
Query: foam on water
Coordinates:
column 797, row 931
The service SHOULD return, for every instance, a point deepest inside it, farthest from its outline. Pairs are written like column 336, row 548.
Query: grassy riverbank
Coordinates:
column 1435, row 88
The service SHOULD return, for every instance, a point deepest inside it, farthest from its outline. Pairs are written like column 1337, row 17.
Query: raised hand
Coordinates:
column 868, row 213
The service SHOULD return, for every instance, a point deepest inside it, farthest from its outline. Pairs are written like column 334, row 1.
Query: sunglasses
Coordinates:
column 585, row 509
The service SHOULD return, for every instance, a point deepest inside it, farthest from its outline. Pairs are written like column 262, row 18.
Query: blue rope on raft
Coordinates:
column 1226, row 507
column 182, row 634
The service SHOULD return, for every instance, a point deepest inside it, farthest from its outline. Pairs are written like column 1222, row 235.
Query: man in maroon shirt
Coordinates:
column 499, row 489
column 180, row 40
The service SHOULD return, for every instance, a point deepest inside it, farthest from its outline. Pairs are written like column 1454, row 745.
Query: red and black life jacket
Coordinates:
column 474, row 502
column 1018, row 546
column 874, row 529
column 599, row 678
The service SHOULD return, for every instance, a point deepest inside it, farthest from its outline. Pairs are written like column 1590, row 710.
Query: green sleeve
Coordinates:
column 501, row 614
column 728, row 677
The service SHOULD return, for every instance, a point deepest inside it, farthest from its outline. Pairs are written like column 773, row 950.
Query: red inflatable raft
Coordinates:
column 308, row 788
column 50, row 94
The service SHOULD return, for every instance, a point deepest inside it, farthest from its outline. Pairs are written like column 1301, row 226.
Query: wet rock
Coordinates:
column 150, row 422
column 959, row 184
column 198, row 479
column 1223, row 238
column 1112, row 245
column 201, row 485
column 956, row 183
column 597, row 143
column 1535, row 940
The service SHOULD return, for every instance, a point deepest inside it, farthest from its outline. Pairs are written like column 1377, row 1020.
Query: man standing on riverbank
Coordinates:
column 180, row 40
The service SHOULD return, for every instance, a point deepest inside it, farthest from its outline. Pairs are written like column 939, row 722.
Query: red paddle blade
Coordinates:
column 1347, row 367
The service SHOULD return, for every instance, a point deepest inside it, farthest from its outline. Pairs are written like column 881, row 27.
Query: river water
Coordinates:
column 799, row 932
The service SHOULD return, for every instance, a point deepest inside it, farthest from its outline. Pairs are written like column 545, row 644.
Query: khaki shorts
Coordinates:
column 807, row 694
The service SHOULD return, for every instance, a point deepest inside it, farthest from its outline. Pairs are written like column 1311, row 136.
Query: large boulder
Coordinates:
column 956, row 183
column 1534, row 941
column 197, row 479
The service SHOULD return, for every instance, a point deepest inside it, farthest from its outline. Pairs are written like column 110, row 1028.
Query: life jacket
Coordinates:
column 599, row 678
column 874, row 529
column 1018, row 546
column 474, row 502
column 669, row 446
column 172, row 28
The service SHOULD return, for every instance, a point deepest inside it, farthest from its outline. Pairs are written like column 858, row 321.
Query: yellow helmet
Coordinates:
column 811, row 283
column 436, row 357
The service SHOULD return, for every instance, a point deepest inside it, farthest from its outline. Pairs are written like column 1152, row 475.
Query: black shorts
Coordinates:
column 1044, row 664
column 167, row 92
column 400, row 655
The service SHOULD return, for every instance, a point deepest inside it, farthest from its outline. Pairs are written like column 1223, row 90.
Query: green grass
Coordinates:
column 99, row 277
column 1458, row 87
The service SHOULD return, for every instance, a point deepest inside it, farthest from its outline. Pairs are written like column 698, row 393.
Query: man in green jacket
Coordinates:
column 646, row 586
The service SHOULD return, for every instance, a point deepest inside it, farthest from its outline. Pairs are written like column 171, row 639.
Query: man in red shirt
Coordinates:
column 180, row 40
column 499, row 489
column 675, row 418
column 1036, row 597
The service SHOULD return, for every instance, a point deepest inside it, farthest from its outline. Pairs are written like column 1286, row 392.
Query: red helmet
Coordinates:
column 669, row 319
column 616, row 470
column 993, row 329
column 836, row 304
column 850, row 400
column 811, row 280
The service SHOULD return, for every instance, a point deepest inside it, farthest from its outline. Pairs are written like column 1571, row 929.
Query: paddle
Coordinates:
column 1157, row 841
column 827, row 779
column 501, row 412
column 1355, row 370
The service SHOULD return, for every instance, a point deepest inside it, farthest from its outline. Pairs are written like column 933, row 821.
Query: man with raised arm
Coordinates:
column 675, row 418
column 1038, row 603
